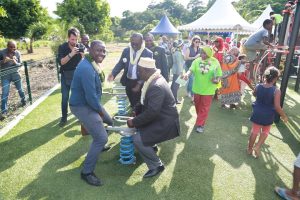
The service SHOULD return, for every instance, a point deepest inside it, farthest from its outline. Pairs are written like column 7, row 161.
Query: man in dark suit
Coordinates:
column 159, row 55
column 128, row 62
column 159, row 119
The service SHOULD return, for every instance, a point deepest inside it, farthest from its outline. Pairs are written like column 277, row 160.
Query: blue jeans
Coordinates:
column 65, row 94
column 5, row 81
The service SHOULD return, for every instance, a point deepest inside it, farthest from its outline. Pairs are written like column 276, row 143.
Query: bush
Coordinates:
column 2, row 43
column 54, row 46
column 42, row 43
column 106, row 36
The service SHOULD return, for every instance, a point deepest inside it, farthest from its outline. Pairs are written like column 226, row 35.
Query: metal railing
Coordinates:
column 31, row 78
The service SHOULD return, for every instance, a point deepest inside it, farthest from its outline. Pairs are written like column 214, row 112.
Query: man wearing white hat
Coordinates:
column 158, row 120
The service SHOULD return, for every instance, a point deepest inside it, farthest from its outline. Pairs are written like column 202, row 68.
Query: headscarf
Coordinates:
column 208, row 51
column 221, row 44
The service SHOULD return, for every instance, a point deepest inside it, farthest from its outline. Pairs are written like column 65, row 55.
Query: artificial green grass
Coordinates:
column 39, row 160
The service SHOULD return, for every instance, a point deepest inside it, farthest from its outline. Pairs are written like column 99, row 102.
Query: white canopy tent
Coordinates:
column 265, row 15
column 221, row 17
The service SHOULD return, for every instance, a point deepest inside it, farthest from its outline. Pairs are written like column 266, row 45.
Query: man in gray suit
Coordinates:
column 159, row 119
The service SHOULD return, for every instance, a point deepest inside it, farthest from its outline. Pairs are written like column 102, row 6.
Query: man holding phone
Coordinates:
column 68, row 56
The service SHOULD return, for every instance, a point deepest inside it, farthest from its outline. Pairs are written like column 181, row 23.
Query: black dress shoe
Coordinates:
column 155, row 148
column 154, row 172
column 62, row 122
column 91, row 179
column 178, row 102
column 106, row 148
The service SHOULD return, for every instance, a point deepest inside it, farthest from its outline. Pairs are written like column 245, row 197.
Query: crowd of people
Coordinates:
column 211, row 69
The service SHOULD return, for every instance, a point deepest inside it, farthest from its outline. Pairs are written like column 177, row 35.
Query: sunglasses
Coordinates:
column 197, row 41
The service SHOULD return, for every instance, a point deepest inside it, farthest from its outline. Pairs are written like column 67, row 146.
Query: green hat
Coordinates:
column 208, row 51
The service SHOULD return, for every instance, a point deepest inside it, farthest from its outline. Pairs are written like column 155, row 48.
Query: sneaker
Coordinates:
column 200, row 129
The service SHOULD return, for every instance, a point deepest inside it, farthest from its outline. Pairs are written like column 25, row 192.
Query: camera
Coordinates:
column 80, row 47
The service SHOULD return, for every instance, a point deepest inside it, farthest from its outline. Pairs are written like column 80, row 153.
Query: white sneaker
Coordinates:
column 200, row 129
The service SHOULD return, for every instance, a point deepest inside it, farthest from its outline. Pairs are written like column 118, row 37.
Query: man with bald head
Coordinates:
column 10, row 58
column 128, row 62
column 86, row 91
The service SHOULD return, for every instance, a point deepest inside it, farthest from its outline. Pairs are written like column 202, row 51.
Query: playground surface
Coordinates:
column 40, row 160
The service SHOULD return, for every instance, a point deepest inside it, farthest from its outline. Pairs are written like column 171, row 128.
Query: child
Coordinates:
column 267, row 102
column 242, row 72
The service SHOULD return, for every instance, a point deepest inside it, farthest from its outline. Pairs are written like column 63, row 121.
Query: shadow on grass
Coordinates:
column 198, row 164
column 192, row 160
column 56, row 179
column 28, row 141
column 290, row 132
column 191, row 168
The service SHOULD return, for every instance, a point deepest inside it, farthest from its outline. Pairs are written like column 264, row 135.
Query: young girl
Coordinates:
column 267, row 102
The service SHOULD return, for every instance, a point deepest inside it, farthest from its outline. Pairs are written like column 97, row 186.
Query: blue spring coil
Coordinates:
column 127, row 150
column 122, row 105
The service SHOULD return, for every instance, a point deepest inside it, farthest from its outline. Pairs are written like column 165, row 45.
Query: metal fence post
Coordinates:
column 289, row 57
column 57, row 68
column 28, row 82
column 284, row 25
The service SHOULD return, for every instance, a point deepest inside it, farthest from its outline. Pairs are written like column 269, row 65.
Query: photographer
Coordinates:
column 69, row 55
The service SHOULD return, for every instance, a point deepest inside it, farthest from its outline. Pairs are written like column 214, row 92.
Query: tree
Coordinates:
column 210, row 3
column 93, row 14
column 250, row 10
column 147, row 29
column 197, row 9
column 194, row 4
column 2, row 12
column 35, row 31
column 173, row 9
column 116, row 27
column 155, row 11
column 20, row 15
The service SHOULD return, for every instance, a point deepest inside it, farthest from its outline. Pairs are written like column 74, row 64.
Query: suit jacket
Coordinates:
column 159, row 55
column 124, row 63
column 159, row 120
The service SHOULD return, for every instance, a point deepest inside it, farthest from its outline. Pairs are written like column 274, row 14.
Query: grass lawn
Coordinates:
column 39, row 160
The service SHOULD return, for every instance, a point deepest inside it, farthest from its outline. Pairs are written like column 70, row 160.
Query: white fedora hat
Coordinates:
column 147, row 63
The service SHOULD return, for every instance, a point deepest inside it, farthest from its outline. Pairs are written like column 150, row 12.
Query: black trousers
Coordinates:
column 134, row 97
